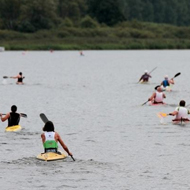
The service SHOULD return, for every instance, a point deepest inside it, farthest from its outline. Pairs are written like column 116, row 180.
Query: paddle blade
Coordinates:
column 163, row 114
column 43, row 118
column 5, row 77
column 23, row 115
column 177, row 75
column 158, row 114
column 157, row 87
column 161, row 118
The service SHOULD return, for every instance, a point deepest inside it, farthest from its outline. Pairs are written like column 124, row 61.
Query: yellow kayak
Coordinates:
column 51, row 156
column 13, row 128
column 144, row 82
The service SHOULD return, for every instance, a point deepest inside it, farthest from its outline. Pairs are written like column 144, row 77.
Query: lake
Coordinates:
column 95, row 102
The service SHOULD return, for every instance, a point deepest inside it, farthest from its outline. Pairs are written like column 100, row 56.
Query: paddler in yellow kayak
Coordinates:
column 13, row 117
column 145, row 77
column 19, row 78
column 50, row 139
column 158, row 96
column 180, row 112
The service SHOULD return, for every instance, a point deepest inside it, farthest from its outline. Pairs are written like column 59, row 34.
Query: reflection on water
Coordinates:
column 95, row 104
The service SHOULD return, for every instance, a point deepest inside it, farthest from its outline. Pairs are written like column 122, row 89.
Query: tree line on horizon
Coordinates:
column 33, row 15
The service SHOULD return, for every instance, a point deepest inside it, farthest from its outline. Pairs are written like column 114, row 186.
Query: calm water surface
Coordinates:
column 95, row 104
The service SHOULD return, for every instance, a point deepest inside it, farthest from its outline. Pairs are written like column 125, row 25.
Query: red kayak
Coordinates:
column 156, row 104
column 180, row 121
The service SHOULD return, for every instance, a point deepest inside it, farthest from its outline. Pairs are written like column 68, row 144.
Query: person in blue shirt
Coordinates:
column 167, row 82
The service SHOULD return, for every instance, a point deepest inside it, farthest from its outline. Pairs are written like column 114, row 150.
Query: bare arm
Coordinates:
column 173, row 113
column 43, row 138
column 152, row 97
column 63, row 144
column 5, row 117
column 164, row 96
column 16, row 77
column 171, row 81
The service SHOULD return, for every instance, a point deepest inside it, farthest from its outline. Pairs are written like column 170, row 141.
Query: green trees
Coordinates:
column 37, row 14
column 34, row 15
column 107, row 12
column 9, row 13
column 73, row 9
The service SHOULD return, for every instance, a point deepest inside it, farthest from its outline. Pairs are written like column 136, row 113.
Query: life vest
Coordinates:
column 50, row 145
column 159, row 97
column 13, row 119
column 20, row 79
column 182, row 112
column 165, row 83
column 145, row 77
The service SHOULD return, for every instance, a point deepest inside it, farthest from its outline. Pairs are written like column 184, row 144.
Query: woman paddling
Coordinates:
column 13, row 117
column 19, row 78
column 50, row 139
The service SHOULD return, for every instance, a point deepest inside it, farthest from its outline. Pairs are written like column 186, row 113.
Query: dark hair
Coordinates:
column 182, row 103
column 48, row 126
column 20, row 73
column 13, row 108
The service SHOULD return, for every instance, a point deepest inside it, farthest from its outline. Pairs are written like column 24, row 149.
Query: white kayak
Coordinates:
column 167, row 88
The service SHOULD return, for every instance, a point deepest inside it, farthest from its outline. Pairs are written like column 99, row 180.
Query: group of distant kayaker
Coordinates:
column 50, row 138
column 180, row 113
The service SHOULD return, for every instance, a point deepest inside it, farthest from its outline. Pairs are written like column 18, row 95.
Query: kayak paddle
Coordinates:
column 177, row 75
column 45, row 120
column 72, row 158
column 144, row 103
column 152, row 70
column 21, row 114
column 163, row 114
column 157, row 87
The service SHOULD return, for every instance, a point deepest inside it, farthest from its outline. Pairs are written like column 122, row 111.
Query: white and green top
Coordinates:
column 182, row 112
column 50, row 142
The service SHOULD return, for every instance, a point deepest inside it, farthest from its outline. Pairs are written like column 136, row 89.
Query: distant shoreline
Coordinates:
column 126, row 36
column 132, row 45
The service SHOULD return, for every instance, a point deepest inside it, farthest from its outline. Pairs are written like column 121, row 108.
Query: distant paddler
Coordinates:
column 81, row 53
column 157, row 97
column 166, row 83
column 19, row 78
column 180, row 113
column 145, row 77
column 12, row 117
